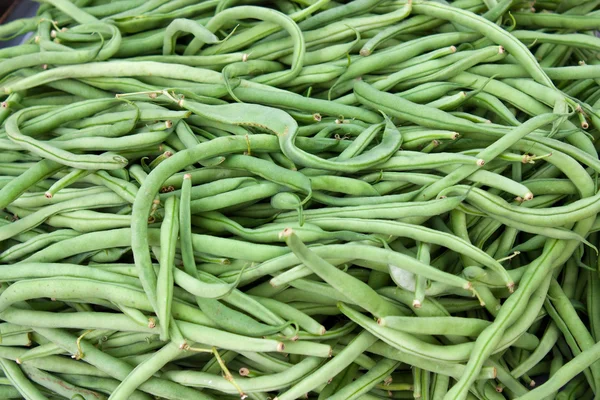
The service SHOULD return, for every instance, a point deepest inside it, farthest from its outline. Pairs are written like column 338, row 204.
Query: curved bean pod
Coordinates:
column 106, row 161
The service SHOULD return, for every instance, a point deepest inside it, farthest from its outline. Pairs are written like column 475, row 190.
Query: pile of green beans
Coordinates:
column 363, row 199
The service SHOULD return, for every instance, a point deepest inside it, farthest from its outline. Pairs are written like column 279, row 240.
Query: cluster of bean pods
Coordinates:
column 321, row 199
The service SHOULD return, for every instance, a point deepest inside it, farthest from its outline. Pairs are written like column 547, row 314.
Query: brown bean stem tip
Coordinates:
column 286, row 233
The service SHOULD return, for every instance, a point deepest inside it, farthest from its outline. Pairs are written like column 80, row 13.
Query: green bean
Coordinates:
column 200, row 288
column 230, row 319
column 488, row 154
column 58, row 385
column 574, row 324
column 376, row 211
column 72, row 11
column 417, row 233
column 107, row 161
column 148, row 279
column 105, row 385
column 288, row 312
column 404, row 52
column 324, row 147
column 464, row 62
column 270, row 232
column 10, row 392
column 412, row 345
column 435, row 325
column 259, row 384
column 145, row 370
column 557, row 21
column 38, row 242
column 228, row 340
column 195, row 285
column 19, row 381
column 364, row 295
column 168, row 238
column 450, row 369
column 49, row 57
column 561, row 215
column 490, row 30
column 38, row 172
column 292, row 179
column 492, row 330
column 180, row 25
column 564, row 374
column 332, row 368
column 36, row 218
column 364, row 383
column 120, row 369
column 89, row 221
column 133, row 24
